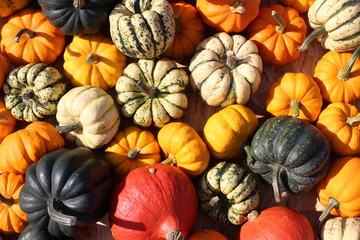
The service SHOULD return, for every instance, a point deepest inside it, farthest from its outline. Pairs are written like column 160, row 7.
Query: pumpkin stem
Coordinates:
column 29, row 34
column 275, row 183
column 295, row 105
column 333, row 203
column 28, row 97
column 249, row 157
column 132, row 154
column 152, row 170
column 174, row 235
column 344, row 74
column 352, row 120
column 79, row 3
column 214, row 201
column 76, row 125
column 231, row 59
column 314, row 34
column 169, row 160
column 92, row 58
column 7, row 201
column 282, row 25
column 252, row 216
column 237, row 7
column 54, row 207
column 149, row 91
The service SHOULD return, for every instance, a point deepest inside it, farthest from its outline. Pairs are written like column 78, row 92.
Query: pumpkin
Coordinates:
column 338, row 75
column 93, row 59
column 294, row 94
column 8, row 7
column 142, row 29
column 228, row 15
column 339, row 123
column 227, row 193
column 336, row 24
column 226, row 69
column 35, row 231
column 132, row 148
column 70, row 188
column 164, row 195
column 278, row 32
column 77, row 17
column 7, row 121
column 88, row 116
column 33, row 91
column 226, row 132
column 289, row 153
column 4, row 69
column 338, row 228
column 21, row 148
column 183, row 147
column 301, row 5
column 13, row 219
column 189, row 32
column 278, row 222
column 28, row 37
column 206, row 234
column 339, row 190
column 152, row 92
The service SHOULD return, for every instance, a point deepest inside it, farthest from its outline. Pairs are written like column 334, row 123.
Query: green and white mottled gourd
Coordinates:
column 227, row 193
column 32, row 91
column 338, row 228
column 152, row 92
column 226, row 69
column 88, row 116
column 336, row 24
column 142, row 28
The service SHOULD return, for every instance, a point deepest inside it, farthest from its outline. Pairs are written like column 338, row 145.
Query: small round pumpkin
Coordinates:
column 301, row 5
column 93, row 59
column 338, row 228
column 88, row 116
column 28, row 37
column 207, row 234
column 7, row 120
column 8, row 7
column 4, row 69
column 132, row 148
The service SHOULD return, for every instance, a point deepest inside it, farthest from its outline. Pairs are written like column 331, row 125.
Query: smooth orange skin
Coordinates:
column 8, row 7
column 4, row 69
column 301, row 5
column 7, row 120
column 207, row 234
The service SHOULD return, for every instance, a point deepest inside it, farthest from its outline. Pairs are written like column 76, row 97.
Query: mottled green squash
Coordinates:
column 341, row 228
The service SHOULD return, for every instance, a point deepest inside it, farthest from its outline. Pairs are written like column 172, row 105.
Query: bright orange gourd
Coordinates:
column 207, row 234
column 278, row 31
column 301, row 5
column 8, row 7
column 7, row 120
column 4, row 69
column 228, row 15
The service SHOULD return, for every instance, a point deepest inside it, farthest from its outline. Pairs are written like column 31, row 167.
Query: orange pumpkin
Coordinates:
column 294, row 94
column 301, row 5
column 7, row 120
column 132, row 148
column 4, row 69
column 340, row 123
column 278, row 32
column 28, row 37
column 338, row 76
column 190, row 31
column 8, row 7
column 13, row 219
column 228, row 15
column 21, row 148
column 207, row 234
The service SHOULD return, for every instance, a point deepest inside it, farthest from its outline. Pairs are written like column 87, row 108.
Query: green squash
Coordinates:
column 290, row 154
column 35, row 231
column 228, row 192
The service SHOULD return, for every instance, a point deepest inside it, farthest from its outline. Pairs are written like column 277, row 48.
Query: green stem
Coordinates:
column 275, row 183
column 8, row 201
column 169, row 160
column 132, row 154
column 314, row 34
column 54, row 211
column 295, row 105
column 249, row 157
column 29, row 34
column 344, row 74
column 76, row 125
column 333, row 203
column 282, row 25
column 149, row 91
column 92, row 58
column 174, row 235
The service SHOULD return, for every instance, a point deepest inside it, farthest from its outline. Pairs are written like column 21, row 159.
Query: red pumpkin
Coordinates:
column 155, row 202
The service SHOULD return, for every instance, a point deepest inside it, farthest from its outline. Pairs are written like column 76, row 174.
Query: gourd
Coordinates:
column 336, row 24
column 77, row 17
column 207, row 234
column 277, row 32
column 228, row 16
column 227, row 131
column 88, row 116
column 164, row 194
column 4, row 69
column 7, row 121
column 33, row 91
column 301, row 5
column 338, row 228
column 182, row 146
column 131, row 148
column 227, row 193
column 93, row 59
column 28, row 37
column 25, row 146
column 142, row 29
column 152, row 92
column 290, row 154
column 70, row 188
column 226, row 69
column 35, row 231
column 8, row 7
column 294, row 94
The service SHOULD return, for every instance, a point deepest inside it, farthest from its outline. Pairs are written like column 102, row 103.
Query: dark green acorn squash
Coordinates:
column 290, row 154
column 35, row 231
column 66, row 190
column 77, row 17
column 227, row 193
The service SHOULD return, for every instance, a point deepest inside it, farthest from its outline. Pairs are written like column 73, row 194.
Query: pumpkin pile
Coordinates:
column 174, row 120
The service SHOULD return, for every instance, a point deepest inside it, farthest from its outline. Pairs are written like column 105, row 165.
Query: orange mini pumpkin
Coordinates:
column 207, row 234
column 7, row 120
column 301, row 5
column 4, row 69
column 8, row 7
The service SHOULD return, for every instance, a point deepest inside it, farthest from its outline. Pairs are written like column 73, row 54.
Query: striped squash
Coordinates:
column 152, row 91
column 227, row 193
column 336, row 24
column 32, row 91
column 226, row 69
column 338, row 228
column 142, row 28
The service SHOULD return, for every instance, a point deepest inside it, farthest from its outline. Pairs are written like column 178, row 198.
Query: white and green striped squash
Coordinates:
column 227, row 193
column 88, row 116
column 152, row 92
column 338, row 228
column 226, row 69
column 142, row 28
column 32, row 91
column 336, row 24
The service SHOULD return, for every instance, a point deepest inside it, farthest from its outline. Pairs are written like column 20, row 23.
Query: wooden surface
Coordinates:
column 197, row 114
